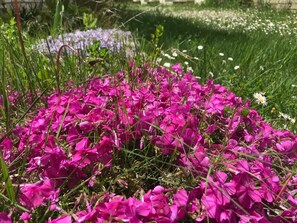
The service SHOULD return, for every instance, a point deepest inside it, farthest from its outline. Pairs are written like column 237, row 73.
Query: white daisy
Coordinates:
column 260, row 98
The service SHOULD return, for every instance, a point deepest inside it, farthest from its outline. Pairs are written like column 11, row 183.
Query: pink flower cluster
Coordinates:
column 241, row 164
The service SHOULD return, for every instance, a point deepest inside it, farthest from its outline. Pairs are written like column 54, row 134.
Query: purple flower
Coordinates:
column 112, row 39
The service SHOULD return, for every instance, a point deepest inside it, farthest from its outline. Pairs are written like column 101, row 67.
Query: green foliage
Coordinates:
column 9, row 31
column 89, row 21
column 228, row 3
column 99, row 58
column 155, row 42
column 6, row 180
column 58, row 18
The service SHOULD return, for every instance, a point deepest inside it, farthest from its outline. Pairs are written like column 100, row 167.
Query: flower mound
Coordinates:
column 239, row 164
column 112, row 39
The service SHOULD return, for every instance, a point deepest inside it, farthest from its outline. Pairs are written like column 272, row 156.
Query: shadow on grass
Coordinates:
column 177, row 28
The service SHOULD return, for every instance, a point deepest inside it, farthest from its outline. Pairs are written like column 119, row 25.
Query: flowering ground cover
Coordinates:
column 112, row 39
column 148, row 145
column 193, row 129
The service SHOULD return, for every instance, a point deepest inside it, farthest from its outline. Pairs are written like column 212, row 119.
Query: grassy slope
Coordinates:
column 267, row 62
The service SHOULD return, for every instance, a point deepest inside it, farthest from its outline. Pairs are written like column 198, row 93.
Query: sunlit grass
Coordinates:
column 265, row 56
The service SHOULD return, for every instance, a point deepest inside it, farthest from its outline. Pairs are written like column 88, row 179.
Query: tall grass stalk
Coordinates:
column 29, row 69
column 58, row 17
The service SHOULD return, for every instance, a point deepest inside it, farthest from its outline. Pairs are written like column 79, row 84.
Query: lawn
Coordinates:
column 261, row 43
column 127, row 113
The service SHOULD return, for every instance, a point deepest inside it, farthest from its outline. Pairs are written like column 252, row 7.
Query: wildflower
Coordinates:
column 200, row 47
column 236, row 67
column 260, row 98
column 168, row 56
column 167, row 65
column 190, row 69
column 166, row 110
column 284, row 116
column 112, row 39
column 230, row 58
column 159, row 59
column 62, row 219
column 287, row 117
column 184, row 51
column 273, row 110
column 221, row 54
column 5, row 218
column 33, row 195
column 25, row 216
column 177, row 68
column 294, row 85
column 174, row 54
column 181, row 198
column 186, row 63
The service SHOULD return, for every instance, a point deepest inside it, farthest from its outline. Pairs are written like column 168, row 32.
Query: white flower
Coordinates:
column 168, row 56
column 211, row 74
column 184, row 51
column 284, row 116
column 174, row 54
column 190, row 69
column 196, row 58
column 260, row 98
column 159, row 59
column 236, row 67
column 287, row 117
column 221, row 54
column 167, row 64
column 294, row 85
column 200, row 47
column 230, row 58
column 186, row 63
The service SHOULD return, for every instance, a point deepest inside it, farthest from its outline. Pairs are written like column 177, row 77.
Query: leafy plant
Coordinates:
column 89, row 21
column 155, row 43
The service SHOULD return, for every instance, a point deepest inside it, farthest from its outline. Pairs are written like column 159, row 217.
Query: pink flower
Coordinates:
column 5, row 218
column 62, row 219
column 181, row 198
column 177, row 68
column 248, row 195
column 33, row 195
column 25, row 216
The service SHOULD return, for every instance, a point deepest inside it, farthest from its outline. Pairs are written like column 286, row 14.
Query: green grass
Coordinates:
column 267, row 62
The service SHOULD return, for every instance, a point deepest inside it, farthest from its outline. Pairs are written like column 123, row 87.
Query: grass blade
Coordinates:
column 58, row 17
column 6, row 179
